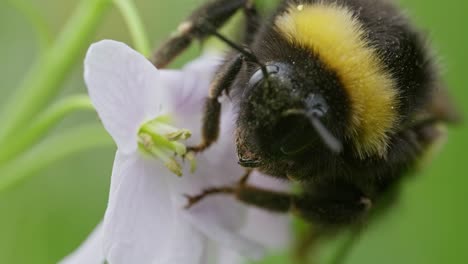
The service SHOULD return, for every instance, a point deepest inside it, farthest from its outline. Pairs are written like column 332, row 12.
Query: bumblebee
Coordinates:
column 342, row 97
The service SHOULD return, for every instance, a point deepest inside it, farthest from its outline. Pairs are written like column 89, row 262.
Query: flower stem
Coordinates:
column 47, row 75
column 130, row 13
column 42, row 124
column 52, row 150
column 36, row 20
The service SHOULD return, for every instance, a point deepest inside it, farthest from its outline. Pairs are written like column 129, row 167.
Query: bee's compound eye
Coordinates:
column 259, row 76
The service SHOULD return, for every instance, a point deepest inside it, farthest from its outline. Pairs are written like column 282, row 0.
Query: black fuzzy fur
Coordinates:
column 403, row 52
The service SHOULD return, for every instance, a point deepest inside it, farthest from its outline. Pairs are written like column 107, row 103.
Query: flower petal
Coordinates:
column 123, row 86
column 216, row 230
column 141, row 224
column 187, row 245
column 228, row 256
column 216, row 218
column 90, row 252
column 191, row 84
column 271, row 230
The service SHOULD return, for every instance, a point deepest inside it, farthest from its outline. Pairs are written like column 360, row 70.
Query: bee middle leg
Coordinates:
column 327, row 211
column 194, row 199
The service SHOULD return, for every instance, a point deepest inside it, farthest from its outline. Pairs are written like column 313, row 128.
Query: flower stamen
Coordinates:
column 161, row 140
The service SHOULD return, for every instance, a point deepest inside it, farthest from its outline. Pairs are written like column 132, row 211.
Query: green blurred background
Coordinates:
column 44, row 218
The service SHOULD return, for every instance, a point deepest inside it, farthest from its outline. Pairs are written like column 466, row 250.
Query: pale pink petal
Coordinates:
column 125, row 90
column 186, row 245
column 141, row 224
column 192, row 84
column 272, row 230
column 229, row 256
column 216, row 230
column 216, row 254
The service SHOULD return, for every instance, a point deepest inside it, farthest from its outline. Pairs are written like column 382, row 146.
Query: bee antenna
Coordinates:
column 327, row 137
column 248, row 54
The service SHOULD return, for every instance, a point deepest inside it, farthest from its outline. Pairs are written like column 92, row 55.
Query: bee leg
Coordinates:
column 330, row 211
column 245, row 178
column 333, row 211
column 344, row 249
column 252, row 22
column 192, row 200
column 215, row 14
column 305, row 246
column 327, row 216
column 212, row 113
column 195, row 199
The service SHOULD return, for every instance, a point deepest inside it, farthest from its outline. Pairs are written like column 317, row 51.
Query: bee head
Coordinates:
column 291, row 111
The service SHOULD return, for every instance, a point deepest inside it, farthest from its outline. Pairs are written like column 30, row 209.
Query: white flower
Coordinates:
column 145, row 221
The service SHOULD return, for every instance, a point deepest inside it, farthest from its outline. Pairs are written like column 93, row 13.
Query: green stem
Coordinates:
column 130, row 13
column 30, row 135
column 52, row 150
column 36, row 20
column 48, row 74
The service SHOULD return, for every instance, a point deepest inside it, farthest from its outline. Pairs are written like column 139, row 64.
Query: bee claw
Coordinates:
column 192, row 200
column 197, row 149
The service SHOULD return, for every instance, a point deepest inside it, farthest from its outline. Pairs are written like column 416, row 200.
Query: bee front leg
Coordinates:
column 212, row 114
